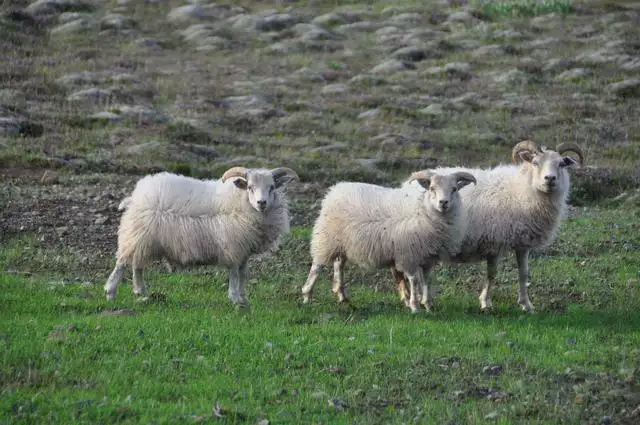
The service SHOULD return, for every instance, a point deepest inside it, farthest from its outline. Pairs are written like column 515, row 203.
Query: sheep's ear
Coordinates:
column 240, row 183
column 526, row 156
column 463, row 178
column 424, row 183
column 567, row 161
column 283, row 175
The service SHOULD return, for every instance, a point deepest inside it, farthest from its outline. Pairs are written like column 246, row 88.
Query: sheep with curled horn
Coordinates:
column 375, row 226
column 516, row 207
column 189, row 221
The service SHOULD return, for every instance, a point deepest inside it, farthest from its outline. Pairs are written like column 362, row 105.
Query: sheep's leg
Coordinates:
column 416, row 281
column 234, row 285
column 427, row 296
column 138, row 283
column 307, row 289
column 338, row 280
column 111, row 287
column 401, row 285
column 492, row 270
column 167, row 265
column 523, row 277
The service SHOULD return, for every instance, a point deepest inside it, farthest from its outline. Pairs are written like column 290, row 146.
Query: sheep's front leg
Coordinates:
column 111, row 287
column 401, row 285
column 138, row 283
column 338, row 280
column 427, row 295
column 416, row 281
column 492, row 270
column 523, row 277
column 307, row 289
column 236, row 284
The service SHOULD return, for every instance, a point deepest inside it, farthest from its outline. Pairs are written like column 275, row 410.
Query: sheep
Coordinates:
column 517, row 207
column 190, row 221
column 375, row 226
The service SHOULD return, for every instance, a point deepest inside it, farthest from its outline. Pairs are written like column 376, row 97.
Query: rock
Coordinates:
column 391, row 66
column 434, row 110
column 65, row 17
column 558, row 64
column 491, row 416
column 462, row 16
column 144, row 147
column 333, row 148
column 13, row 126
column 99, row 95
column 573, row 75
column 488, row 51
column 13, row 99
column 367, row 80
column 101, row 220
column 106, row 116
column 626, row 88
column 511, row 77
column 331, row 19
column 200, row 150
column 370, row 114
column 46, row 7
column 459, row 70
column 84, row 77
column 416, row 53
column 405, row 18
column 190, row 12
column 9, row 127
column 335, row 89
column 75, row 26
column 114, row 21
column 276, row 22
column 362, row 26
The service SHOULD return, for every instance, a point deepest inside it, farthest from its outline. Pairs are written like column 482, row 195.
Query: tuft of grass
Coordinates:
column 524, row 8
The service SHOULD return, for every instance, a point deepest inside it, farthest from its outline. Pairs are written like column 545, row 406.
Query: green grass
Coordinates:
column 525, row 8
column 65, row 361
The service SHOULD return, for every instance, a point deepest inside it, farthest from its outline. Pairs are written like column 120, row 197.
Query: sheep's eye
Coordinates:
column 250, row 188
column 271, row 188
column 454, row 190
column 432, row 189
column 535, row 163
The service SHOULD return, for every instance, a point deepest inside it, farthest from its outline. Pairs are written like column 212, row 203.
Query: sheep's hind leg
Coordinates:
column 492, row 270
column 111, row 287
column 138, row 283
column 416, row 282
column 307, row 289
column 338, row 280
column 523, row 277
column 427, row 295
column 401, row 285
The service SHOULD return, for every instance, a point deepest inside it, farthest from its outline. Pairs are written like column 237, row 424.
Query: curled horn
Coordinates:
column 422, row 175
column 571, row 147
column 279, row 172
column 234, row 172
column 524, row 146
column 464, row 176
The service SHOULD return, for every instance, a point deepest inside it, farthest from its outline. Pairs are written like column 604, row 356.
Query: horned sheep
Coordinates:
column 512, row 207
column 375, row 226
column 190, row 221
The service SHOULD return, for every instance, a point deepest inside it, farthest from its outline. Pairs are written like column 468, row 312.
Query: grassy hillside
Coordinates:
column 96, row 94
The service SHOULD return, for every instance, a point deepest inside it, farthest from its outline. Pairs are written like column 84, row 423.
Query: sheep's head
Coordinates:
column 442, row 190
column 548, row 167
column 260, row 184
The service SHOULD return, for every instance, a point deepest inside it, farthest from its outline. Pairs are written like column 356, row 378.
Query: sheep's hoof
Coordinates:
column 142, row 299
column 306, row 299
column 110, row 295
column 486, row 304
column 527, row 306
column 243, row 308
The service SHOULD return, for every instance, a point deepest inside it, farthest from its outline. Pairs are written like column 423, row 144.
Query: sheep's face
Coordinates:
column 442, row 190
column 260, row 189
column 549, row 170
column 261, row 185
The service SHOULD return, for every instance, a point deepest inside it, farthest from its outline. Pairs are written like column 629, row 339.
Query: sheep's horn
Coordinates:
column 571, row 147
column 524, row 146
column 234, row 172
column 283, row 171
column 422, row 175
column 463, row 175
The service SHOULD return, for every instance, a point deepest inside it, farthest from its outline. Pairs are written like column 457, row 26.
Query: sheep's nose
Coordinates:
column 262, row 204
column 550, row 178
column 444, row 204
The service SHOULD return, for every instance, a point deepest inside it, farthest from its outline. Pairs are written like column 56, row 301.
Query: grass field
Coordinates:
column 96, row 94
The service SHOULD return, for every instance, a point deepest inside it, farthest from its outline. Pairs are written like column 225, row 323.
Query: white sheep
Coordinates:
column 512, row 207
column 375, row 226
column 190, row 221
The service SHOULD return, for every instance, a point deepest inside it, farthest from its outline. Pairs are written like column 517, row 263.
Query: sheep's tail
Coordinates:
column 124, row 204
